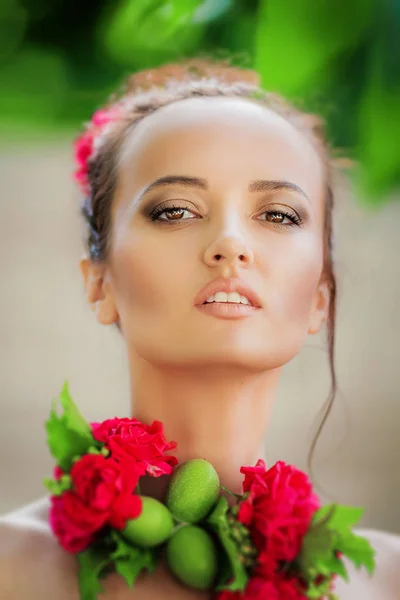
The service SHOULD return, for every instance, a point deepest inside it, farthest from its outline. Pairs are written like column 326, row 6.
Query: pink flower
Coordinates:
column 278, row 511
column 84, row 145
column 145, row 443
column 102, row 493
column 83, row 151
column 103, row 116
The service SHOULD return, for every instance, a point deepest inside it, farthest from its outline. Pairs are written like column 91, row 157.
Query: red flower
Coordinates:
column 289, row 589
column 58, row 472
column 145, row 443
column 258, row 588
column 278, row 511
column 68, row 523
column 102, row 494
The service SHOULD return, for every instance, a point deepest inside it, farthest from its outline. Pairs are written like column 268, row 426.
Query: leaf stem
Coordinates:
column 225, row 489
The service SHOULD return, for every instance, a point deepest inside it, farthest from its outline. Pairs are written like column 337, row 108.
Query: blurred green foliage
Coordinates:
column 59, row 61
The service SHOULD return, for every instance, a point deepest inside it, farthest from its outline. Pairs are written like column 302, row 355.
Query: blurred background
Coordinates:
column 58, row 62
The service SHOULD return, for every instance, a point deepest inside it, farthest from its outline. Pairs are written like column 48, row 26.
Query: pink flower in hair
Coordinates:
column 83, row 151
column 85, row 144
column 103, row 116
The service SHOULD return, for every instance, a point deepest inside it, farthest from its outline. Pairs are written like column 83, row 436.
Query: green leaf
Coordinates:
column 335, row 565
column 357, row 549
column 309, row 34
column 339, row 517
column 317, row 549
column 68, row 435
column 92, row 563
column 56, row 488
column 330, row 533
column 72, row 415
column 113, row 552
column 218, row 522
column 172, row 20
column 316, row 592
column 130, row 561
column 236, row 496
column 378, row 125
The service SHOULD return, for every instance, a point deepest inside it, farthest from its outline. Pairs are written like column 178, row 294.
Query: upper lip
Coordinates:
column 228, row 285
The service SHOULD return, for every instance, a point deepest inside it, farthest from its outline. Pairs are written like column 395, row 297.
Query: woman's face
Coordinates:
column 217, row 188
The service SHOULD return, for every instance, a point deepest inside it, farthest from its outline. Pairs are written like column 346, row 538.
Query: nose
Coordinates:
column 229, row 252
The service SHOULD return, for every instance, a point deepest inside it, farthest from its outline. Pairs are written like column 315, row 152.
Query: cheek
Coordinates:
column 149, row 273
column 134, row 275
column 294, row 272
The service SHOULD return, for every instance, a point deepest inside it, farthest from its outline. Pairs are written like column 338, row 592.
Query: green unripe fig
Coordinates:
column 193, row 490
column 152, row 527
column 192, row 557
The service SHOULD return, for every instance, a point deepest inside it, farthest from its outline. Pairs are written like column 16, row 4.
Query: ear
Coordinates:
column 99, row 291
column 320, row 308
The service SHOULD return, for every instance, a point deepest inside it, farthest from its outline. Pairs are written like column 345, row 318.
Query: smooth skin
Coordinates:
column 212, row 381
column 251, row 207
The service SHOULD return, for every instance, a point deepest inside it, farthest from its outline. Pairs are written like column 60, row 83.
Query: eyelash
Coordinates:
column 159, row 210
column 156, row 212
column 293, row 217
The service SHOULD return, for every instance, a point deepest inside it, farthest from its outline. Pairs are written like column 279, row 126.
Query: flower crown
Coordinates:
column 272, row 541
column 87, row 145
column 163, row 77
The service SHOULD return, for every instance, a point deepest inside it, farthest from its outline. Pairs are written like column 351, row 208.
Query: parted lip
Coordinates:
column 228, row 285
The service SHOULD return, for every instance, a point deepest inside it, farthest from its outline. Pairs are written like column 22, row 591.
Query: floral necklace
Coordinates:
column 274, row 541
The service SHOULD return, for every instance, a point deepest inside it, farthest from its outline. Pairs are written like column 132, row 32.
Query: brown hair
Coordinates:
column 149, row 90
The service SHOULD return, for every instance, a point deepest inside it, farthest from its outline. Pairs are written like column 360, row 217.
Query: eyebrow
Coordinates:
column 258, row 185
column 266, row 185
column 196, row 182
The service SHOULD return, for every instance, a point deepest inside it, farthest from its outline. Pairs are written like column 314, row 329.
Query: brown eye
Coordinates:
column 170, row 214
column 174, row 215
column 280, row 217
column 275, row 217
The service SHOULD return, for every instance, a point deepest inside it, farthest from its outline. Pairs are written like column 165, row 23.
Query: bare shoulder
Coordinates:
column 32, row 565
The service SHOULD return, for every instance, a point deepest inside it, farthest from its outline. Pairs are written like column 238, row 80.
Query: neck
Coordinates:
column 219, row 414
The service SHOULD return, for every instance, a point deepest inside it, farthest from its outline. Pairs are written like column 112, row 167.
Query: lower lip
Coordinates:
column 224, row 310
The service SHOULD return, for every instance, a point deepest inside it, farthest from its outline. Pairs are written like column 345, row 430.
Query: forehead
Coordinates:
column 228, row 141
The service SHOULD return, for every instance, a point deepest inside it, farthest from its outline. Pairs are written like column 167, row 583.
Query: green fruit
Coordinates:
column 193, row 490
column 152, row 527
column 192, row 557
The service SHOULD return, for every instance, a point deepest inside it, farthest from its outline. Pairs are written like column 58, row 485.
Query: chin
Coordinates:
column 249, row 348
column 258, row 348
column 255, row 357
